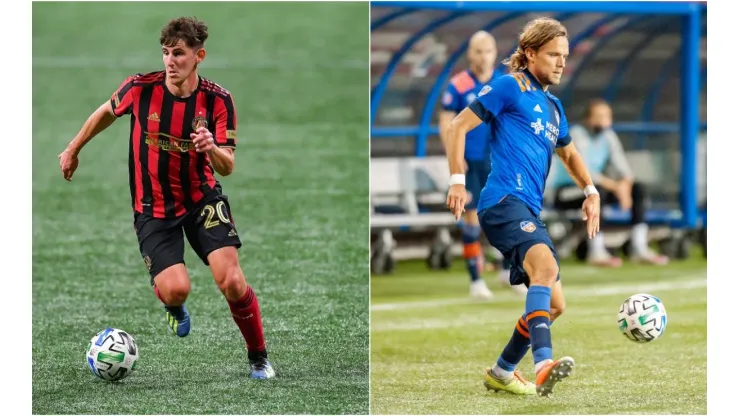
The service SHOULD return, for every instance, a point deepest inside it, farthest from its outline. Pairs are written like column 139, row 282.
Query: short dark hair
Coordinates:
column 188, row 29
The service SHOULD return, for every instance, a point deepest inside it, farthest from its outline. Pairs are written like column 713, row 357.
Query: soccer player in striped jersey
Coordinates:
column 528, row 125
column 183, row 131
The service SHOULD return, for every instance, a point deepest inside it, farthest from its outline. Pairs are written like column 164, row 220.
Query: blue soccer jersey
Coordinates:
column 527, row 124
column 462, row 90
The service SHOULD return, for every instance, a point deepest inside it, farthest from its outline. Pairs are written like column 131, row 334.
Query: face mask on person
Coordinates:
column 596, row 130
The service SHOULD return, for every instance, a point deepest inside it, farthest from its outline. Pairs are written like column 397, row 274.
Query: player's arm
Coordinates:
column 577, row 169
column 222, row 160
column 445, row 120
column 221, row 152
column 566, row 148
column 580, row 137
column 574, row 164
column 120, row 103
column 459, row 127
column 492, row 101
column 98, row 121
column 457, row 195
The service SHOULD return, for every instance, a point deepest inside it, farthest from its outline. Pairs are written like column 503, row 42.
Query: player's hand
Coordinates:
column 203, row 140
column 68, row 162
column 456, row 198
column 592, row 214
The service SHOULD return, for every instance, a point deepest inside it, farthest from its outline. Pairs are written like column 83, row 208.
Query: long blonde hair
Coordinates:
column 535, row 34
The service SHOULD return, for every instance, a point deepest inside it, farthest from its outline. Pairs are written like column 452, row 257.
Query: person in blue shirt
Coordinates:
column 528, row 125
column 461, row 91
column 601, row 149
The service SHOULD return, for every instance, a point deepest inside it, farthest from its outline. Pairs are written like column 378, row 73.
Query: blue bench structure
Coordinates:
column 648, row 59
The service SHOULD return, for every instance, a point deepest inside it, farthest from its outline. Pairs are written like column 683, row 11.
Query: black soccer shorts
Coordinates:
column 208, row 227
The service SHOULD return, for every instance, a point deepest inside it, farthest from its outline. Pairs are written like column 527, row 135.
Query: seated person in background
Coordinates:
column 600, row 147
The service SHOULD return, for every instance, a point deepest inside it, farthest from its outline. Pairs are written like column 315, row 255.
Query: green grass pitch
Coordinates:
column 430, row 344
column 298, row 73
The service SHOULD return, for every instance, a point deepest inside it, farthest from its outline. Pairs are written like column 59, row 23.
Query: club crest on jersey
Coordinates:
column 527, row 226
column 199, row 121
column 485, row 90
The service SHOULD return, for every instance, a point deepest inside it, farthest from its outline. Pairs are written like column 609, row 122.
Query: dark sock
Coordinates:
column 517, row 347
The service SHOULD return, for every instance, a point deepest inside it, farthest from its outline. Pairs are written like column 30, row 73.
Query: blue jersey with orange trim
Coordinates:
column 527, row 124
column 461, row 91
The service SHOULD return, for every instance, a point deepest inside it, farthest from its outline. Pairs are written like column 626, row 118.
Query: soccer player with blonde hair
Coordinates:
column 528, row 125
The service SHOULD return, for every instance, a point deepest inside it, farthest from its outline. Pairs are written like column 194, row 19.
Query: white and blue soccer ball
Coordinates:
column 642, row 318
column 112, row 354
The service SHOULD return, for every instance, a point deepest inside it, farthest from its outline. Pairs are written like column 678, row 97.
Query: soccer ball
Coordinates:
column 112, row 354
column 642, row 318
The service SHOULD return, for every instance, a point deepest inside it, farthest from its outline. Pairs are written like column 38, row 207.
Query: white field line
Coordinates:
column 474, row 319
column 695, row 281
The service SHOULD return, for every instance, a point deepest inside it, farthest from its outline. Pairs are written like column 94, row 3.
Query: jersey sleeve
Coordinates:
column 564, row 138
column 495, row 98
column 122, row 99
column 224, row 135
column 451, row 99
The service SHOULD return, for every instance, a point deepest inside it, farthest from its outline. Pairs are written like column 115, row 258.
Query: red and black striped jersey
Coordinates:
column 167, row 176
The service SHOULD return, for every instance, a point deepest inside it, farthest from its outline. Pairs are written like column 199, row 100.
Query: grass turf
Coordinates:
column 301, row 177
column 430, row 344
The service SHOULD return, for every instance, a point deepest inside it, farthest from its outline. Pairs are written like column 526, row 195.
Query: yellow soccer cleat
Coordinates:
column 515, row 385
column 178, row 319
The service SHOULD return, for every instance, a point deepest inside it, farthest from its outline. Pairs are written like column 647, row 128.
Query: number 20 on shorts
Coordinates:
column 219, row 210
